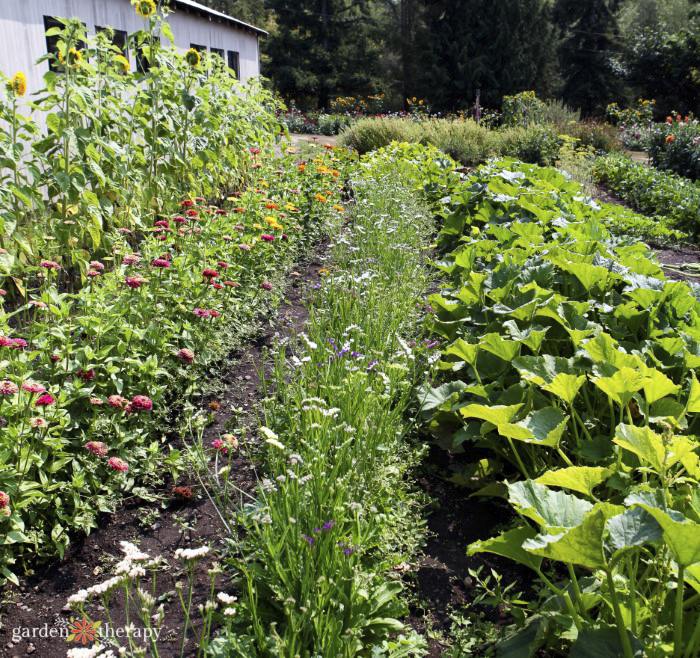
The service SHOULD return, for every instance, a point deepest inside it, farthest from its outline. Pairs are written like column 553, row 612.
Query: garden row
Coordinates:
column 114, row 148
column 567, row 372
column 81, row 373
column 669, row 198
column 311, row 556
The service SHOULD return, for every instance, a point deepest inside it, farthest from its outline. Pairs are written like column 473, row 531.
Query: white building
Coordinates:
column 23, row 26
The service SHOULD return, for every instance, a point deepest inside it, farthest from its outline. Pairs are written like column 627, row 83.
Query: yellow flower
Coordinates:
column 145, row 8
column 270, row 221
column 339, row 208
column 321, row 198
column 257, row 226
column 123, row 63
column 263, row 183
column 19, row 83
column 75, row 57
column 192, row 57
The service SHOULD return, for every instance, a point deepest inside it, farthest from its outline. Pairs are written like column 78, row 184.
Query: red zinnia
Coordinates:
column 141, row 403
column 4, row 500
column 216, row 286
column 232, row 284
column 97, row 448
column 45, row 400
column 210, row 273
column 222, row 264
column 86, row 375
column 118, row 464
column 192, row 213
column 187, row 203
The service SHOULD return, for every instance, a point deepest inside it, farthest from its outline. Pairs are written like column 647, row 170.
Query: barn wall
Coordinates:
column 22, row 33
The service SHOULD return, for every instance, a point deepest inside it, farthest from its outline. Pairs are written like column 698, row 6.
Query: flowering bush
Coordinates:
column 675, row 146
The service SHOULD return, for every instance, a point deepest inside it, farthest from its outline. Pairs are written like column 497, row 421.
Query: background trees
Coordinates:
column 587, row 52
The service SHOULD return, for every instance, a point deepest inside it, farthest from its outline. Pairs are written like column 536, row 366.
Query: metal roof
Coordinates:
column 195, row 7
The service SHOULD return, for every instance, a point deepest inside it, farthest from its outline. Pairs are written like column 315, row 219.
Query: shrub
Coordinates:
column 675, row 146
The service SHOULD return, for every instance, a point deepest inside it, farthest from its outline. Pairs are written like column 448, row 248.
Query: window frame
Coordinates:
column 234, row 62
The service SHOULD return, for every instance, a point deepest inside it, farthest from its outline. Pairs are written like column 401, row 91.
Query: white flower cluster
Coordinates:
column 226, row 598
column 188, row 554
column 90, row 652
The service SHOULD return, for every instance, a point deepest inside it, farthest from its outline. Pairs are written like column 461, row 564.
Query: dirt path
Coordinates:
column 38, row 606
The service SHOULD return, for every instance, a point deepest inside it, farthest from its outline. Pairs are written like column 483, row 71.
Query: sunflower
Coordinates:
column 19, row 83
column 75, row 57
column 192, row 57
column 123, row 63
column 145, row 8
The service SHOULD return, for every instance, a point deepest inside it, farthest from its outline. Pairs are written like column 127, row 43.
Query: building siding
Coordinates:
column 22, row 33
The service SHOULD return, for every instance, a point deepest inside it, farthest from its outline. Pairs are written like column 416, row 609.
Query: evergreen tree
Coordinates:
column 589, row 53
column 498, row 47
column 323, row 48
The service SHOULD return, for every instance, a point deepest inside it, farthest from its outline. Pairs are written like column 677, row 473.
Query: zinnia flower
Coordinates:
column 38, row 423
column 255, row 151
column 232, row 284
column 45, row 400
column 131, row 259
column 210, row 273
column 185, row 355
column 163, row 223
column 201, row 313
column 49, row 265
column 8, row 388
column 93, row 273
column 161, row 262
column 96, row 401
column 19, row 343
column 321, row 198
column 192, row 213
column 86, row 375
column 98, row 449
column 245, row 247
column 4, row 500
column 116, row 401
column 179, row 220
column 96, row 265
column 669, row 139
column 187, row 203
column 266, row 285
column 223, row 264
column 267, row 238
column 118, row 464
column 133, row 281
column 141, row 403
column 33, row 387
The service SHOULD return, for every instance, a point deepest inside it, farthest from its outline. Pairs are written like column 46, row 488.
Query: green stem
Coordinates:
column 619, row 620
column 678, row 615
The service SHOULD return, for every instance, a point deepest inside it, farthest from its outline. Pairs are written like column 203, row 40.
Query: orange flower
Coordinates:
column 321, row 198
column 336, row 173
column 669, row 139
column 271, row 206
column 328, row 146
column 339, row 208
column 301, row 168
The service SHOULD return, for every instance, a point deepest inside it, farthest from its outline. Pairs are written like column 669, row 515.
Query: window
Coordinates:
column 52, row 41
column 198, row 48
column 218, row 51
column 143, row 65
column 234, row 62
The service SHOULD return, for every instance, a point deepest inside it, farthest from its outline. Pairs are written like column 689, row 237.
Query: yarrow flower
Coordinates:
column 118, row 464
column 97, row 448
column 190, row 554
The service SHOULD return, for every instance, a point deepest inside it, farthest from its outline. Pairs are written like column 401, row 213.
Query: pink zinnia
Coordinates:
column 141, row 403
column 45, row 400
column 93, row 273
column 96, row 401
column 2, row 292
column 96, row 265
column 86, row 375
column 238, row 227
column 118, row 464
column 200, row 199
column 255, row 151
column 33, row 387
column 163, row 223
column 100, row 449
column 5, row 341
column 223, row 264
column 245, row 247
column 124, row 230
column 187, row 203
column 179, row 220
column 19, row 343
column 185, row 355
column 4, row 500
column 8, row 388
column 161, row 262
column 116, row 401
column 216, row 286
column 220, row 212
column 133, row 281
column 232, row 284
column 131, row 259
column 49, row 265
column 201, row 313
column 38, row 423
column 266, row 285
column 267, row 238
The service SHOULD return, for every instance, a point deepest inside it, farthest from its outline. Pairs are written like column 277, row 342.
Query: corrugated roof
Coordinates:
column 201, row 9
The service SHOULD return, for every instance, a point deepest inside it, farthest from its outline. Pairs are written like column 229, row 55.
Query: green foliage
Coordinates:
column 565, row 357
column 652, row 192
column 675, row 146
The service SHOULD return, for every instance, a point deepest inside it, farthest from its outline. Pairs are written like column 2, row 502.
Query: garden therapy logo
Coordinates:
column 83, row 631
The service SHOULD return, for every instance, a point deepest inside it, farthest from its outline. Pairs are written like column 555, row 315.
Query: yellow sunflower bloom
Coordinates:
column 123, row 63
column 19, row 83
column 145, row 8
column 75, row 57
column 193, row 58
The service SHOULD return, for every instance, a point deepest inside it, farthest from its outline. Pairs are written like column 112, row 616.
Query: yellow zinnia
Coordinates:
column 145, row 8
column 19, row 83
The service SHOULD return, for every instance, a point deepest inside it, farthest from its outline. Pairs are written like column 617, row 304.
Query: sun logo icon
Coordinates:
column 83, row 631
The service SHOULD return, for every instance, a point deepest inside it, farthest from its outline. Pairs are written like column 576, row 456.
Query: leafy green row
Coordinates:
column 568, row 357
column 650, row 191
